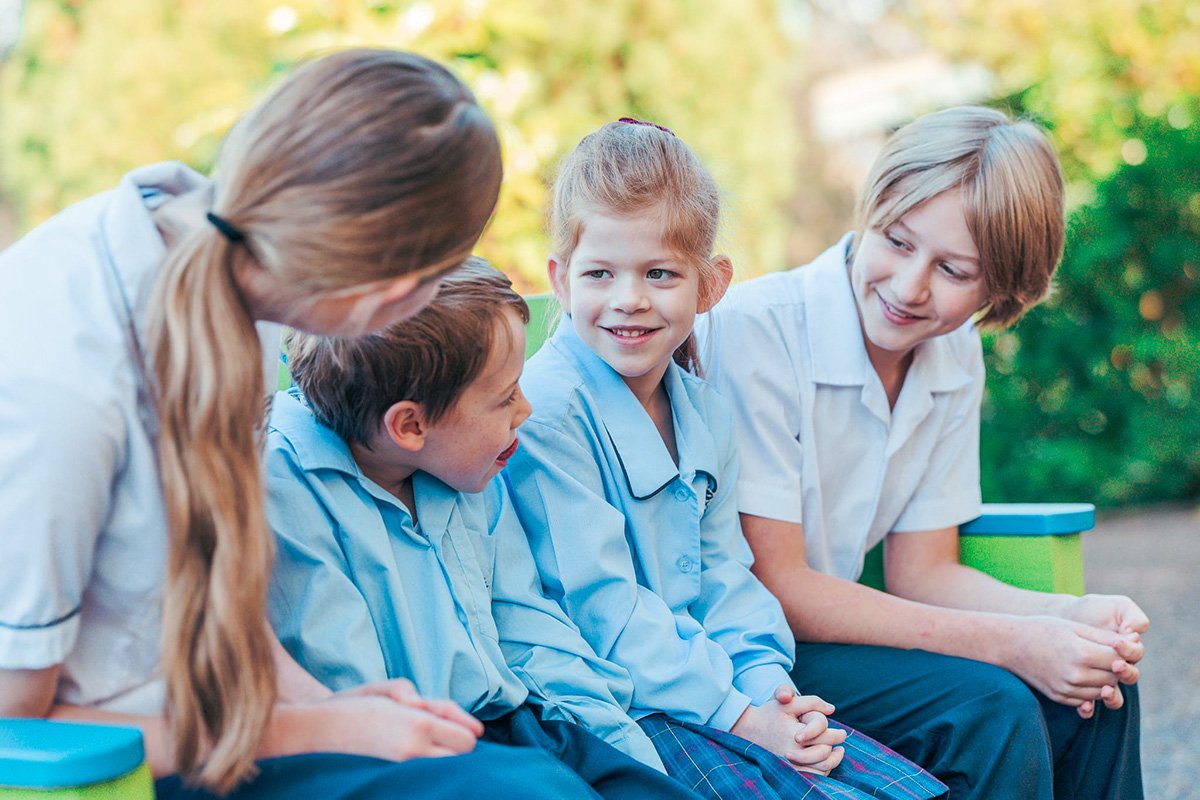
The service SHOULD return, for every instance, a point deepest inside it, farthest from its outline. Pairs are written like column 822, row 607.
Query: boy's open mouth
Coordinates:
column 508, row 451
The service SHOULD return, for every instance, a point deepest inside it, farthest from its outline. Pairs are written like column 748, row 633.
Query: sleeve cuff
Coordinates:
column 759, row 683
column 37, row 648
column 729, row 711
column 769, row 502
column 609, row 723
column 931, row 516
column 632, row 740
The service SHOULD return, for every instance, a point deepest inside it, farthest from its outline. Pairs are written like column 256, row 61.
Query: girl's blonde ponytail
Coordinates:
column 217, row 652
column 363, row 165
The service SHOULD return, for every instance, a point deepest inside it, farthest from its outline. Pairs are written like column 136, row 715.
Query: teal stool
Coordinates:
column 46, row 760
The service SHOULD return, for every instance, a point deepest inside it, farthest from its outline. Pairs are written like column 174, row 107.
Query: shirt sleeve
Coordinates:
column 734, row 607
column 319, row 615
column 584, row 557
column 60, row 456
column 547, row 653
column 747, row 358
column 949, row 492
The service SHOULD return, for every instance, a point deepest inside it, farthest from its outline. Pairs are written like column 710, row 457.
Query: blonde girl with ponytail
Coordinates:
column 135, row 330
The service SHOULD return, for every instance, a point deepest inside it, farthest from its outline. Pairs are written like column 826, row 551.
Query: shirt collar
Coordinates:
column 319, row 447
column 644, row 459
column 316, row 446
column 835, row 339
column 831, row 325
column 435, row 504
column 132, row 239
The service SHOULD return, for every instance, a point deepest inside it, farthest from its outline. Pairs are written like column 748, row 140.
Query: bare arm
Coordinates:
column 30, row 693
column 294, row 682
column 924, row 567
column 385, row 720
column 1066, row 660
column 824, row 608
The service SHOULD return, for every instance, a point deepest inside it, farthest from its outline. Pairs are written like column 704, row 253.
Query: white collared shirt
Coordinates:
column 819, row 444
column 82, row 530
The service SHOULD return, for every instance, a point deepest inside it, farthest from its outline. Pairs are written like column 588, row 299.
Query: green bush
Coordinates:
column 1095, row 395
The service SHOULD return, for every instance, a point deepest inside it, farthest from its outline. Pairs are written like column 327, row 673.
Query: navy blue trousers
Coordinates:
column 978, row 728
column 491, row 771
column 610, row 773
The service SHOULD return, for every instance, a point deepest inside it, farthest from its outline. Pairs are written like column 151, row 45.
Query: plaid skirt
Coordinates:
column 721, row 766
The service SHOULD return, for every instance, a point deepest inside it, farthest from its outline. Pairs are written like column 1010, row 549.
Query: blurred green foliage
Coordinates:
column 1091, row 70
column 1095, row 395
column 99, row 86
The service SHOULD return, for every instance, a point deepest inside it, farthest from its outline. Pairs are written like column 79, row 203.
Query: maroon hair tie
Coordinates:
column 632, row 121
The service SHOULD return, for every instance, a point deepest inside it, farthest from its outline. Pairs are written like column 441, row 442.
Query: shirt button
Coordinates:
column 684, row 563
column 681, row 495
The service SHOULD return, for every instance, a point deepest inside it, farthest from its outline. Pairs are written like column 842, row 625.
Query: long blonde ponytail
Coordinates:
column 220, row 675
column 363, row 165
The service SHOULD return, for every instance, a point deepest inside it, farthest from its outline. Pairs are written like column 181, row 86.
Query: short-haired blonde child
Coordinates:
column 625, row 485
column 856, row 384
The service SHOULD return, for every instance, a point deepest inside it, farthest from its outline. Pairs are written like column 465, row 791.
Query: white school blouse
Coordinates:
column 818, row 443
column 83, row 538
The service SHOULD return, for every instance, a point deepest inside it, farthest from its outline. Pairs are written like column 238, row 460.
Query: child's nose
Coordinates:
column 628, row 295
column 524, row 409
column 911, row 283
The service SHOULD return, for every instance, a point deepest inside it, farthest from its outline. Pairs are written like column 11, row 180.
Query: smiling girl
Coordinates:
column 856, row 384
column 624, row 483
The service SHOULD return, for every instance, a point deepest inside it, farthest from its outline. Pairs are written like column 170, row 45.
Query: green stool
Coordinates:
column 47, row 760
column 1031, row 545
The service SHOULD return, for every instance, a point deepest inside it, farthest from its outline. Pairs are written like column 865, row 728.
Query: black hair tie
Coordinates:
column 227, row 230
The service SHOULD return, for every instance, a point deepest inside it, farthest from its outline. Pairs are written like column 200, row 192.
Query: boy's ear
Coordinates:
column 723, row 274
column 558, row 279
column 405, row 425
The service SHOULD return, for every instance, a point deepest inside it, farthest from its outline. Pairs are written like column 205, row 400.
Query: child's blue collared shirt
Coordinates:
column 647, row 557
column 359, row 594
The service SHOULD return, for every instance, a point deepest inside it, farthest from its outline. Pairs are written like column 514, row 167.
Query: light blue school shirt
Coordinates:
column 646, row 557
column 360, row 594
column 820, row 444
column 83, row 533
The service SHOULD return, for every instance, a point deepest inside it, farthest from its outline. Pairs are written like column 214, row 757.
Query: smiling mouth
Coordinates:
column 630, row 332
column 508, row 451
column 894, row 311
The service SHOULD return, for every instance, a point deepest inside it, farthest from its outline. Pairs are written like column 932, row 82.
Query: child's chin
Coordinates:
column 482, row 483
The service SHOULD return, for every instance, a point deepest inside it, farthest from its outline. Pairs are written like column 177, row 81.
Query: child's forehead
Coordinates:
column 652, row 218
column 505, row 350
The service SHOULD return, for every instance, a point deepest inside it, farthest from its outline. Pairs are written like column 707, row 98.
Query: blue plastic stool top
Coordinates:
column 38, row 753
column 1032, row 519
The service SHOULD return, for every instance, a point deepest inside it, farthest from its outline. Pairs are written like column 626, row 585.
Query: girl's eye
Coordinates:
column 596, row 274
column 659, row 273
column 953, row 273
column 512, row 398
column 893, row 241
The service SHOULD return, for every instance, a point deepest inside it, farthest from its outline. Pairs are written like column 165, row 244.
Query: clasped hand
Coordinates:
column 1086, row 654
column 795, row 727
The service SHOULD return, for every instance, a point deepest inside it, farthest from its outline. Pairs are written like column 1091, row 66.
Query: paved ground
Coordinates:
column 1154, row 557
